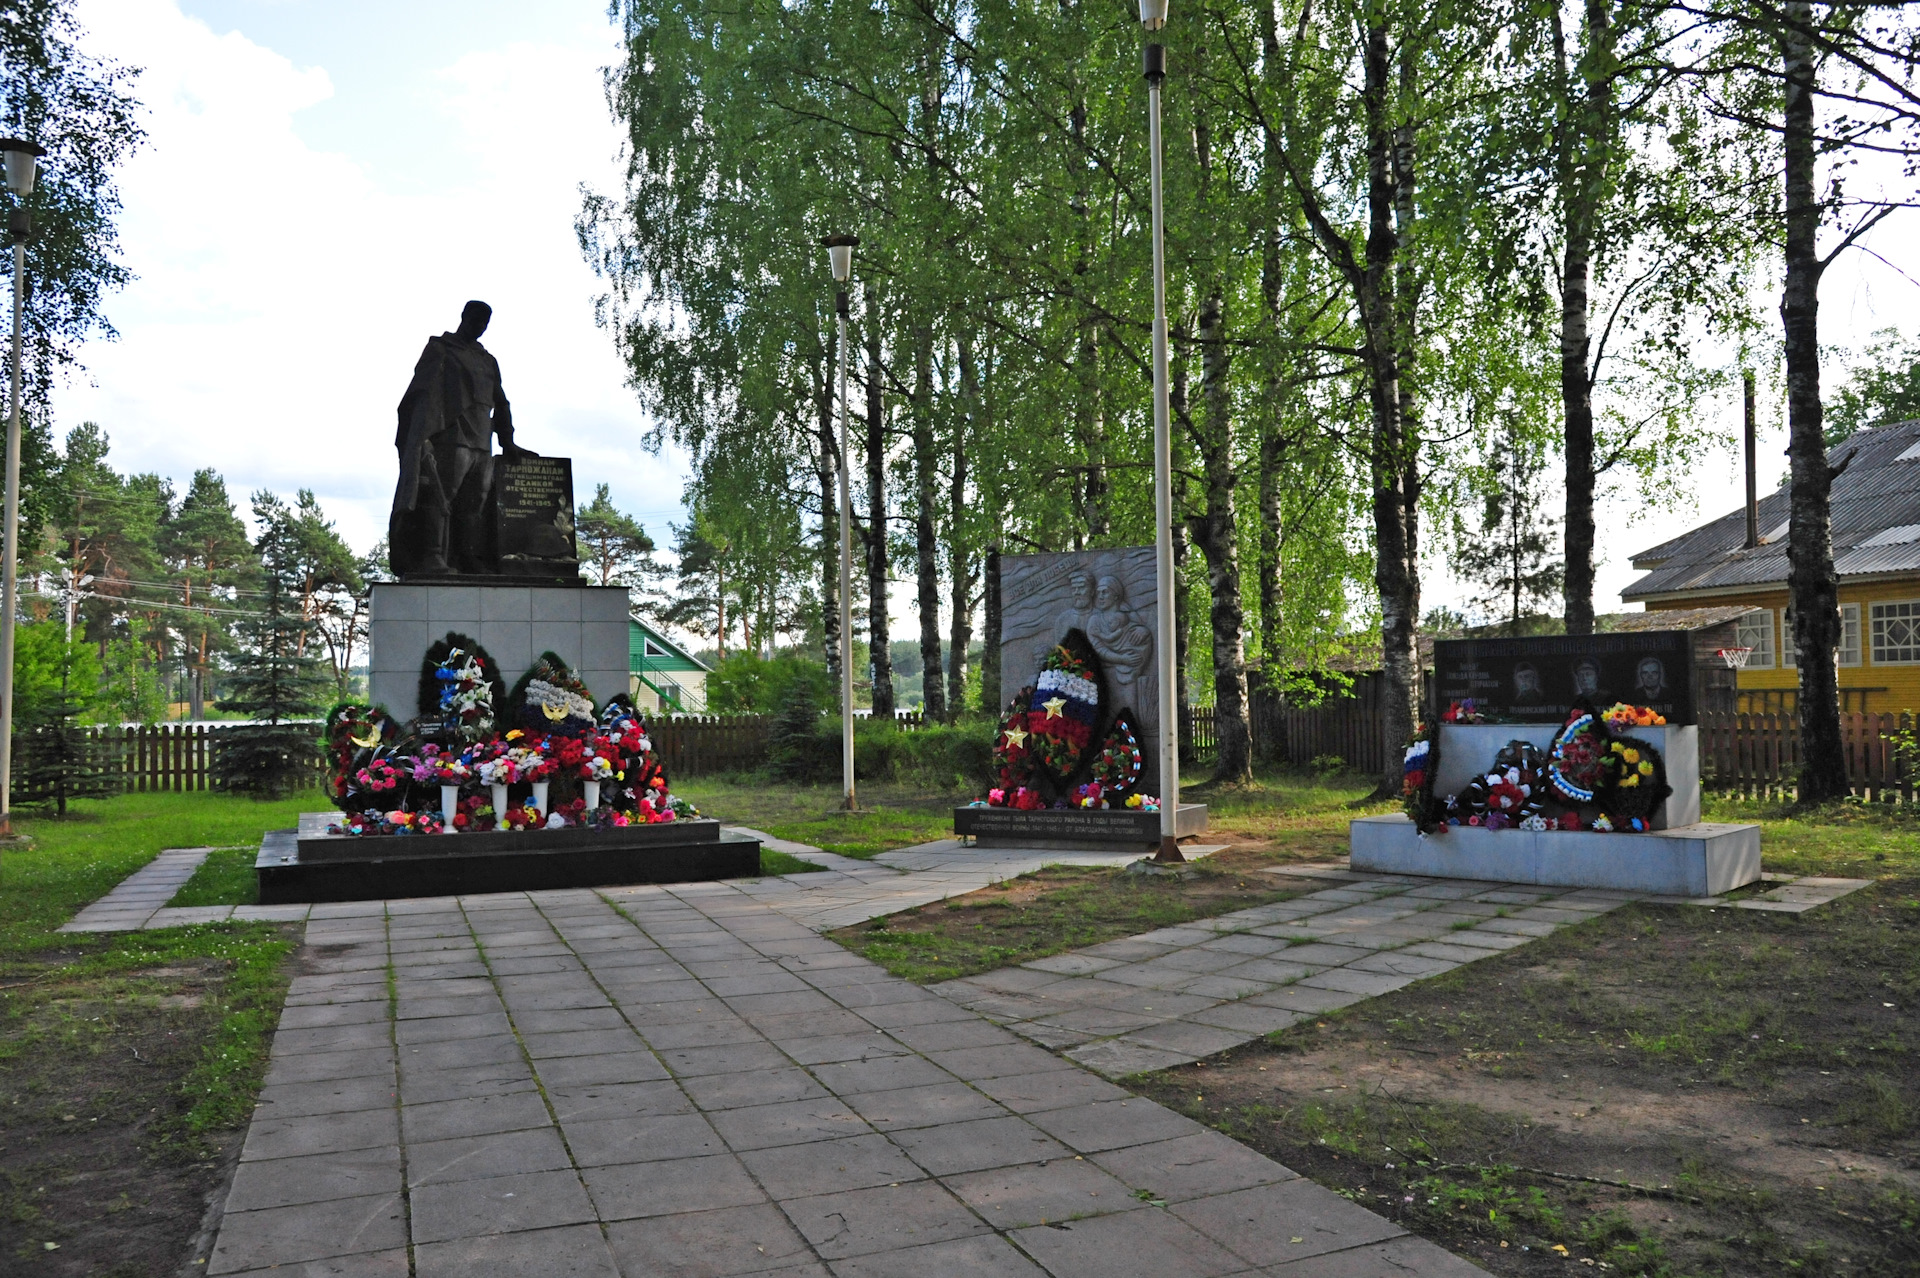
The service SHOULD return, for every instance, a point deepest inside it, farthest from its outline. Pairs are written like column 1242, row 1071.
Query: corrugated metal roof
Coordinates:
column 1878, row 490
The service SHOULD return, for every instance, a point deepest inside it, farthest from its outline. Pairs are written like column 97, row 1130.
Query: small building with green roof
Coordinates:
column 663, row 676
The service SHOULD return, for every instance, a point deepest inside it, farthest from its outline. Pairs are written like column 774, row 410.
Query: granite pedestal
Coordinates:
column 586, row 626
column 1703, row 859
column 1073, row 829
column 308, row 864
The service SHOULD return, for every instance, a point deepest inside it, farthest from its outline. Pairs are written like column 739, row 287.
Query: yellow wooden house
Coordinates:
column 1876, row 551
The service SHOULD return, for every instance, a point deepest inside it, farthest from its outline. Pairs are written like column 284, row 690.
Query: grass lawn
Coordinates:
column 1665, row 1091
column 128, row 1062
column 893, row 816
column 1286, row 817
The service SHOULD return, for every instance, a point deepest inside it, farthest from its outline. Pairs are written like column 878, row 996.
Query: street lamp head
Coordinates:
column 20, row 161
column 1153, row 14
column 840, row 254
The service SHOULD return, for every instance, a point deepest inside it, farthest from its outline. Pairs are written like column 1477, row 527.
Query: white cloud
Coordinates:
column 285, row 291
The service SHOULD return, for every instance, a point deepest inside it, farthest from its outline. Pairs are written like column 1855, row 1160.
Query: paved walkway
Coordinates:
column 844, row 892
column 643, row 1081
column 1172, row 996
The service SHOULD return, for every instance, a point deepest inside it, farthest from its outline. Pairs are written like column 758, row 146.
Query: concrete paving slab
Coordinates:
column 690, row 1128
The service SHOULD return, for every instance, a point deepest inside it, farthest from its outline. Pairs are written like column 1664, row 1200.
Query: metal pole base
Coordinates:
column 1169, row 850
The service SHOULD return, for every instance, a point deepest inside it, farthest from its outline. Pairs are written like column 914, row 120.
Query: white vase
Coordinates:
column 592, row 789
column 540, row 796
column 499, row 805
column 449, row 805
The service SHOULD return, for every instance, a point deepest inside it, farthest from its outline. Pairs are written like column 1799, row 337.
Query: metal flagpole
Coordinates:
column 1156, row 65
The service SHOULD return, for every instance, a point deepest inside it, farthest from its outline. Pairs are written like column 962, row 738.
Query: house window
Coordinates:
column 653, row 649
column 1848, row 653
column 1896, row 632
column 669, row 695
column 1755, row 631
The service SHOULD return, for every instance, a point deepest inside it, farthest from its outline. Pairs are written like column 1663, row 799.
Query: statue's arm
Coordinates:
column 503, row 419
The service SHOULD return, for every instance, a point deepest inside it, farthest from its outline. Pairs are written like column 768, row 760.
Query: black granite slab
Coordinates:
column 1047, row 827
column 315, row 844
column 368, row 869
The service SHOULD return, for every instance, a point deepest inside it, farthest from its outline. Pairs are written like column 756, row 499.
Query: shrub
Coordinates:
column 746, row 683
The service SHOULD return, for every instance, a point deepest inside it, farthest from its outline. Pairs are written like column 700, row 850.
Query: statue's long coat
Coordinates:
column 456, row 386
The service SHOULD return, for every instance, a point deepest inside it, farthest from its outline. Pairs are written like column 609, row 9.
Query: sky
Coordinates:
column 326, row 184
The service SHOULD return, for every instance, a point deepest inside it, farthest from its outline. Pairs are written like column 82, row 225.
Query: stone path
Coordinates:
column 1172, row 996
column 844, row 892
column 140, row 900
column 643, row 1081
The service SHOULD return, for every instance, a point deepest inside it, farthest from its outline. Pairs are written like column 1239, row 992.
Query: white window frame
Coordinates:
column 1880, row 624
column 1847, row 654
column 1746, row 630
column 648, row 648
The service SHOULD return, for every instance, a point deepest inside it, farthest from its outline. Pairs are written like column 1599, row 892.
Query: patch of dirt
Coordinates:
column 1658, row 1091
column 96, row 1177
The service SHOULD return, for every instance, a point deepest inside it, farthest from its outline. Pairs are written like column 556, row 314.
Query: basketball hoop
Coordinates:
column 1736, row 658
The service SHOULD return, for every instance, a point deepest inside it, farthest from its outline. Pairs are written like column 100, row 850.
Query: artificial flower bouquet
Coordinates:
column 436, row 765
column 1620, row 717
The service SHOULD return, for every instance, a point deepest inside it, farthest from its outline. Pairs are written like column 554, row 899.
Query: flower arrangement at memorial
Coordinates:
column 435, row 765
column 551, row 701
column 1117, row 768
column 1462, row 712
column 1057, row 749
column 1621, row 717
column 392, row 787
column 1587, row 779
column 466, row 696
column 1064, row 706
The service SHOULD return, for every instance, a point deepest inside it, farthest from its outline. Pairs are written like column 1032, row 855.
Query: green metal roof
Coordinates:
column 649, row 650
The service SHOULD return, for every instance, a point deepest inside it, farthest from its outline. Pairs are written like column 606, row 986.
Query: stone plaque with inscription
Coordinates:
column 534, row 517
column 1534, row 680
column 1109, row 595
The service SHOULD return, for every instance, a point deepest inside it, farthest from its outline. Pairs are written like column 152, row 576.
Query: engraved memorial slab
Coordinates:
column 1534, row 680
column 534, row 517
column 1108, row 594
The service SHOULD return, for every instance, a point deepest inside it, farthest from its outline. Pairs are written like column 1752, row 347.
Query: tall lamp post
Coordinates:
column 840, row 254
column 1153, row 16
column 21, row 159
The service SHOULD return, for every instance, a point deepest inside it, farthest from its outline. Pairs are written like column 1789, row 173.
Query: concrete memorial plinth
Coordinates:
column 1467, row 750
column 586, row 626
column 1076, row 830
column 1109, row 595
column 1703, row 859
column 308, row 864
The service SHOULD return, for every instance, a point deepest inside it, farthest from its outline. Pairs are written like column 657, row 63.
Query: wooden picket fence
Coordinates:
column 1759, row 754
column 692, row 745
column 1749, row 754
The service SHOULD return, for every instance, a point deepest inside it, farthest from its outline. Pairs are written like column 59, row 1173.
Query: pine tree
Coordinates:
column 276, row 683
column 1511, row 553
column 56, row 759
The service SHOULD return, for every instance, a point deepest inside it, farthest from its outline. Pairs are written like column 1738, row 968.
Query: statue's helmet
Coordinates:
column 473, row 319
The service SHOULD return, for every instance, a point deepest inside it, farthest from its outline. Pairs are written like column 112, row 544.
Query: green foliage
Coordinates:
column 82, row 858
column 614, row 547
column 271, row 681
column 57, row 682
column 793, row 741
column 746, row 683
column 1883, row 387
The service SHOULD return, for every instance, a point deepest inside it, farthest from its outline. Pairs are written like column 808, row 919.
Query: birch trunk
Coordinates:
column 1812, row 585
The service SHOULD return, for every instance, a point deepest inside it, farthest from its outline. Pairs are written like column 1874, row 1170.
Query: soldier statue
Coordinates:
column 448, row 418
